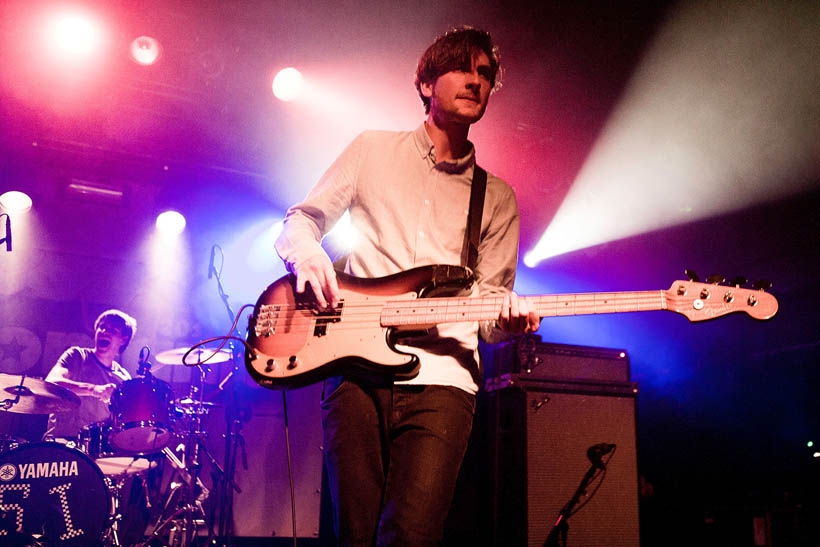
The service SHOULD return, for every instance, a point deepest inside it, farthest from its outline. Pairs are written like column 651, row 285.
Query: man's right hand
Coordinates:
column 104, row 392
column 318, row 272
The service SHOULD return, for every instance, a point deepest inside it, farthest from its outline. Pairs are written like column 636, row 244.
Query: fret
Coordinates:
column 425, row 311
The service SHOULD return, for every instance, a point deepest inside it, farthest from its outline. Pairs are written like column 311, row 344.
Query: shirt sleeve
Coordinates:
column 306, row 223
column 498, row 256
column 66, row 366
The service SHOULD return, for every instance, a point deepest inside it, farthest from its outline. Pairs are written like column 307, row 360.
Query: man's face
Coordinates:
column 461, row 97
column 109, row 336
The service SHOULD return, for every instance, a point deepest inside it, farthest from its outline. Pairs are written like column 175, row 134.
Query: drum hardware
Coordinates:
column 223, row 484
column 25, row 395
column 144, row 365
column 183, row 514
column 141, row 410
column 9, row 443
column 54, row 493
column 117, row 486
column 93, row 440
column 210, row 356
column 118, row 470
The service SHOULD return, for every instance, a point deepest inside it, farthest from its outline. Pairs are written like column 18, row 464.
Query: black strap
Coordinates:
column 473, row 235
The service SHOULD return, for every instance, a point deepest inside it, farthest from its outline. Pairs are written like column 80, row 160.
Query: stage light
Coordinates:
column 170, row 223
column 276, row 229
column 15, row 202
column 145, row 50
column 73, row 35
column 343, row 234
column 164, row 283
column 287, row 85
column 256, row 244
column 810, row 444
column 720, row 115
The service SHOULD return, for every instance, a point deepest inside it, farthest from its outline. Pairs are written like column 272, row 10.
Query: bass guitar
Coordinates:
column 292, row 343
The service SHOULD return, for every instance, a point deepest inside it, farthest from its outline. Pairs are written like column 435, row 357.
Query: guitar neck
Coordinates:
column 429, row 311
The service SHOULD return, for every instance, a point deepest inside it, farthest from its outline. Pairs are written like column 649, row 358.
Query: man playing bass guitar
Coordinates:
column 393, row 447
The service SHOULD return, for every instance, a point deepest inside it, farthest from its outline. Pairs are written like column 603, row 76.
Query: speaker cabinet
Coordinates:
column 529, row 357
column 538, row 435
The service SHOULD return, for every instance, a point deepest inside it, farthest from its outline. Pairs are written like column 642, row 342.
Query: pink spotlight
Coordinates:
column 170, row 223
column 73, row 35
column 287, row 85
column 145, row 50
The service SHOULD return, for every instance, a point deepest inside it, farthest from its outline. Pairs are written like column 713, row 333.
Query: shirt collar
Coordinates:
column 426, row 149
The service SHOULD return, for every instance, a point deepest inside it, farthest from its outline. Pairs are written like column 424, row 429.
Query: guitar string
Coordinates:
column 402, row 312
column 358, row 313
column 613, row 299
column 450, row 307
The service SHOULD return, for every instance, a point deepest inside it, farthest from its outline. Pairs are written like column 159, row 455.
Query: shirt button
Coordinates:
column 421, row 234
column 427, row 202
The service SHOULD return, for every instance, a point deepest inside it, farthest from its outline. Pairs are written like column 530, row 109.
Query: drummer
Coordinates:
column 92, row 373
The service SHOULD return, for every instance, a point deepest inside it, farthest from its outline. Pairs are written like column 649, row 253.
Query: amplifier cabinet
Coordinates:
column 529, row 357
column 538, row 436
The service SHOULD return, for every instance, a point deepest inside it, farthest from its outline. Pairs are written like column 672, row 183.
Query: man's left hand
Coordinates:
column 516, row 316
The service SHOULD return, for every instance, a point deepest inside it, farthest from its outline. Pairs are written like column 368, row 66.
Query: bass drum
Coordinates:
column 53, row 490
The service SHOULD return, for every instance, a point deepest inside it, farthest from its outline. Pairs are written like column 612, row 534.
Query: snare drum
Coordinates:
column 94, row 441
column 141, row 413
column 53, row 490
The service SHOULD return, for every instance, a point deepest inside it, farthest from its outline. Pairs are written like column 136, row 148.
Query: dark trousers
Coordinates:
column 392, row 455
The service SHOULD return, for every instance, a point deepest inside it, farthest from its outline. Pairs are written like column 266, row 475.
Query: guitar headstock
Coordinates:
column 702, row 301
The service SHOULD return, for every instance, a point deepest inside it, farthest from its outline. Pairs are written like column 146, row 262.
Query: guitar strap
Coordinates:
column 473, row 235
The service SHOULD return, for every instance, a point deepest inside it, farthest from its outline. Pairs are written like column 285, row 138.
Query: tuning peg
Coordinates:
column 762, row 285
column 715, row 279
column 738, row 281
column 691, row 275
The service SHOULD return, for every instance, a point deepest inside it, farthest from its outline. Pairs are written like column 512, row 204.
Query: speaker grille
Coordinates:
column 540, row 439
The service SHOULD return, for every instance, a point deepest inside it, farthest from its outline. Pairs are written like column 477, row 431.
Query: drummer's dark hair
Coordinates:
column 127, row 323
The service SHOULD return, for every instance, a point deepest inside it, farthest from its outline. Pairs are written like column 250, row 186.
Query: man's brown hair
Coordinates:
column 455, row 50
column 122, row 320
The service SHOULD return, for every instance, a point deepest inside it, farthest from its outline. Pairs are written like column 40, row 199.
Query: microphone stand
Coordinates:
column 6, row 404
column 558, row 534
column 233, row 436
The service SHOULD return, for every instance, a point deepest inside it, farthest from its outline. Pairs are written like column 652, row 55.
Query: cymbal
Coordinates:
column 174, row 356
column 36, row 396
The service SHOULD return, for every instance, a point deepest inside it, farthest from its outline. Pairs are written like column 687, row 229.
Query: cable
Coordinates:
column 290, row 468
column 602, row 475
column 222, row 345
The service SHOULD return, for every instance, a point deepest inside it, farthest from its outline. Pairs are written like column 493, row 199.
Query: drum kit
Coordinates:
column 73, row 492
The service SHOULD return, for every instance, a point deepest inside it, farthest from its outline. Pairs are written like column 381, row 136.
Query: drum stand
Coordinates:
column 186, row 495
column 111, row 538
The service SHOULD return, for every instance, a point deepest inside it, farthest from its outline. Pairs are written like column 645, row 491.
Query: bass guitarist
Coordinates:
column 393, row 448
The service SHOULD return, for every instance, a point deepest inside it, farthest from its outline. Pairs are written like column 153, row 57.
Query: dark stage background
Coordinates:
column 662, row 136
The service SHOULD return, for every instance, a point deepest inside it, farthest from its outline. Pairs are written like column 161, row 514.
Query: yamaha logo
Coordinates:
column 7, row 472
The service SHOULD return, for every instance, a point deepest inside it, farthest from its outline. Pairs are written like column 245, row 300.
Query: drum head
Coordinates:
column 116, row 466
column 142, row 418
column 54, row 490
column 140, row 439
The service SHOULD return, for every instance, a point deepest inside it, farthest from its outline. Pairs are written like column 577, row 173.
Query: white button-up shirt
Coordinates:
column 408, row 211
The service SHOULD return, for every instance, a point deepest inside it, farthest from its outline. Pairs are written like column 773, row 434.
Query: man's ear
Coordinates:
column 427, row 89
